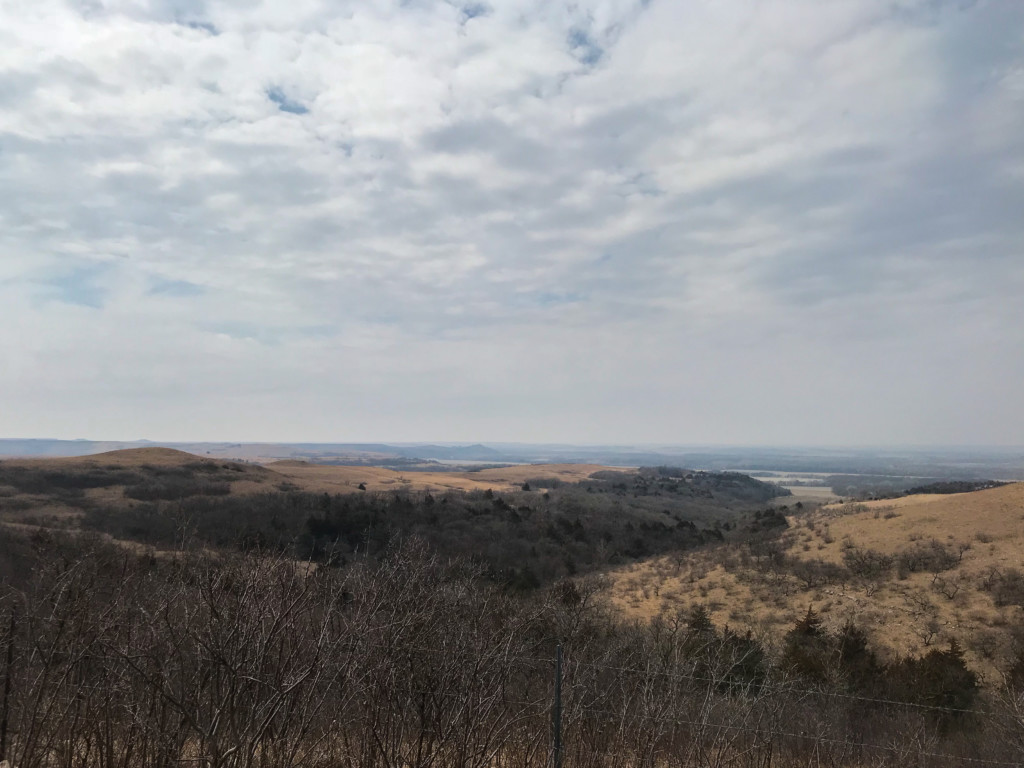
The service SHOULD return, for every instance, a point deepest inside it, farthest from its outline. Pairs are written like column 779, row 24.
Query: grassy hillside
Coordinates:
column 47, row 490
column 914, row 572
column 325, row 478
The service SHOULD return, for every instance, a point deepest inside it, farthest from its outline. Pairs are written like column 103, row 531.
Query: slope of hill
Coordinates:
column 65, row 484
column 329, row 478
column 914, row 572
column 57, row 491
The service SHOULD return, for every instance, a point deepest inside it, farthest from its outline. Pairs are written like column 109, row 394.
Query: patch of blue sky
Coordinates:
column 205, row 26
column 80, row 286
column 584, row 48
column 285, row 103
column 473, row 10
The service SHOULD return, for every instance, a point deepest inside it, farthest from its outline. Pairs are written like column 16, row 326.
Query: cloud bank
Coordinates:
column 619, row 221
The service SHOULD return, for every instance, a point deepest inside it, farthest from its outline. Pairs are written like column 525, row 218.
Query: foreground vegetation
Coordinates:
column 229, row 659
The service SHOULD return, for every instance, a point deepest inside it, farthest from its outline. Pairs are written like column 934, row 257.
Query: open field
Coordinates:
column 945, row 567
column 991, row 521
column 322, row 478
column 810, row 493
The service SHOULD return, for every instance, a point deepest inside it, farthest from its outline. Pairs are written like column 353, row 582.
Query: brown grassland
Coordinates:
column 323, row 478
column 903, row 613
column 248, row 478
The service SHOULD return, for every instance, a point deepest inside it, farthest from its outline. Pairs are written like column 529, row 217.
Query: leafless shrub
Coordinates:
column 947, row 587
column 111, row 659
column 932, row 556
column 928, row 630
column 867, row 563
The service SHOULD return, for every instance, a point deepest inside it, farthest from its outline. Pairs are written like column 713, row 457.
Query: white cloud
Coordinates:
column 611, row 221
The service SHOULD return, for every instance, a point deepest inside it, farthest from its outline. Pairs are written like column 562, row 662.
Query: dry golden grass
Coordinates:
column 903, row 501
column 316, row 478
column 137, row 458
column 568, row 473
column 887, row 524
column 322, row 478
column 131, row 457
column 902, row 615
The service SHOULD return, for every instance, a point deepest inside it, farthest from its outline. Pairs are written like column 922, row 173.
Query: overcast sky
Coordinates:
column 679, row 221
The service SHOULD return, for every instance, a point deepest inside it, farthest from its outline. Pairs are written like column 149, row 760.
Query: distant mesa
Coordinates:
column 476, row 452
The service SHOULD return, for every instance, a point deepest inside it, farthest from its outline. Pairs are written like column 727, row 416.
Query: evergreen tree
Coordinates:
column 809, row 651
column 858, row 662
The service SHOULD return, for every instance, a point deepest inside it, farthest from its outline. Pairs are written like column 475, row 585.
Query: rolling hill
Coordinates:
column 914, row 572
column 530, row 524
column 60, row 486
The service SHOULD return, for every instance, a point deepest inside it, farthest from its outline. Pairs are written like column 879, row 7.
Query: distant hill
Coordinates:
column 261, row 451
column 68, row 484
column 474, row 452
column 892, row 469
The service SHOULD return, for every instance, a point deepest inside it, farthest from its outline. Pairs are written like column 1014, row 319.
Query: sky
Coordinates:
column 603, row 221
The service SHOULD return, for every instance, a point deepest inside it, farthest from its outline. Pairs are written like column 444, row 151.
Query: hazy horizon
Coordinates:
column 618, row 222
column 640, row 446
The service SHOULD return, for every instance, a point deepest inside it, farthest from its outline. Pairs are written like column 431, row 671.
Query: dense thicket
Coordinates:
column 111, row 658
column 956, row 486
column 895, row 486
column 523, row 538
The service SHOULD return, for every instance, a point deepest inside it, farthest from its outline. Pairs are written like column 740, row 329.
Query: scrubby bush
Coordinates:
column 1007, row 587
column 867, row 563
column 932, row 556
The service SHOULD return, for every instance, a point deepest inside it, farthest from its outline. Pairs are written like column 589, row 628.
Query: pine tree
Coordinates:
column 809, row 651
